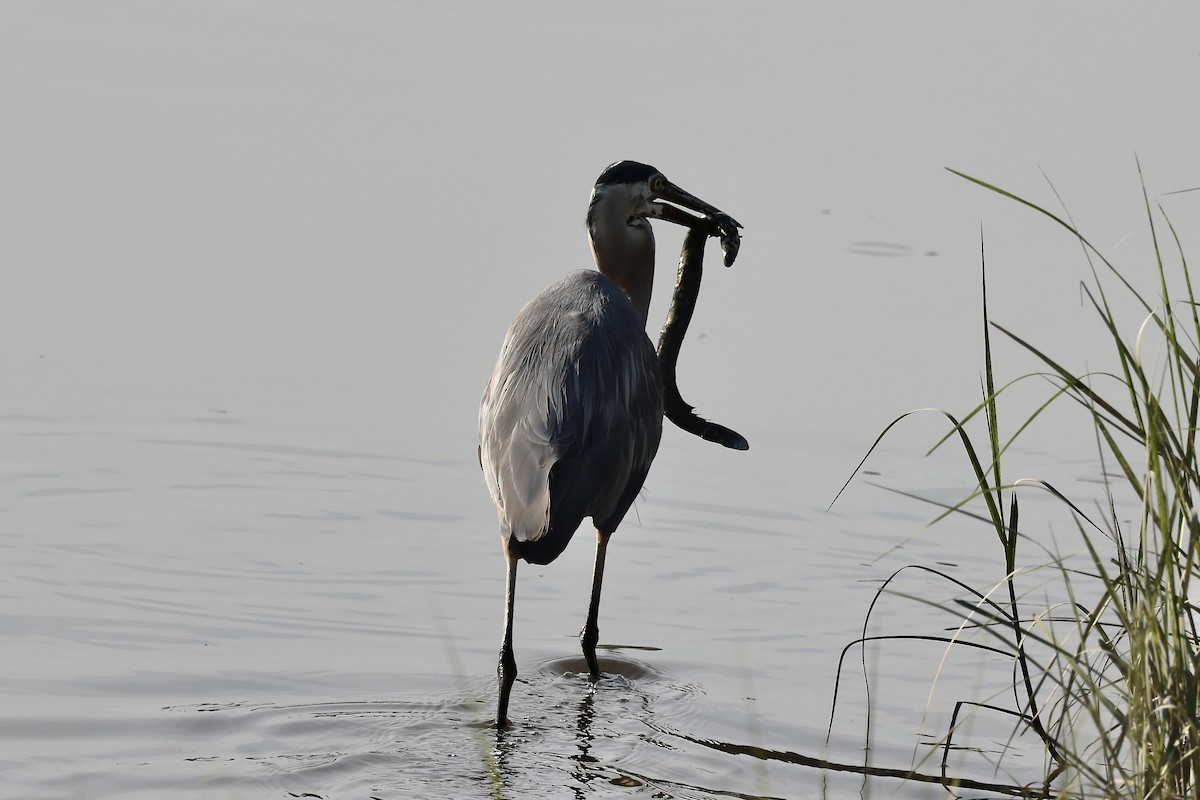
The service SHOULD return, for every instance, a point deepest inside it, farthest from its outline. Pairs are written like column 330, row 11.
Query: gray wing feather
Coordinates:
column 572, row 415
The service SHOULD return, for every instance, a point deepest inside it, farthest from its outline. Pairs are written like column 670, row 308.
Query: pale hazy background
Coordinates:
column 331, row 210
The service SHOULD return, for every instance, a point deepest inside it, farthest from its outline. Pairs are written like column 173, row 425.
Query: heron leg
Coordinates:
column 590, row 634
column 506, row 670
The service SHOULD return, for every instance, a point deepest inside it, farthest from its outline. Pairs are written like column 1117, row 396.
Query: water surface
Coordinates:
column 193, row 608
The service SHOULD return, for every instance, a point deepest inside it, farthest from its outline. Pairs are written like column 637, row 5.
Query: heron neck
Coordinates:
column 625, row 254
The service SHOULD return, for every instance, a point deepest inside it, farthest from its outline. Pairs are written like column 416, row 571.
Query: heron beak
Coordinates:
column 720, row 224
column 681, row 199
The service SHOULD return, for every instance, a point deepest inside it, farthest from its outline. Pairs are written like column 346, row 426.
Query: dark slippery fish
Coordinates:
column 683, row 303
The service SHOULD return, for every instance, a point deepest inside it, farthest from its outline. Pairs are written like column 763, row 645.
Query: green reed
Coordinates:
column 1109, row 684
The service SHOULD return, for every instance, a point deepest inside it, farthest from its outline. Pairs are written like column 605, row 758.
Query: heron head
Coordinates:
column 640, row 192
column 627, row 195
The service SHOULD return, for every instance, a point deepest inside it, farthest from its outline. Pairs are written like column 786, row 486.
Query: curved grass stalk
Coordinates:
column 1121, row 690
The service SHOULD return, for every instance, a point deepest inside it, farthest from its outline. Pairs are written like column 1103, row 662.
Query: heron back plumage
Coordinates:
column 572, row 415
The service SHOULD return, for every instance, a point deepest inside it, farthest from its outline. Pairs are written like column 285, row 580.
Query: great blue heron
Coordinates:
column 572, row 415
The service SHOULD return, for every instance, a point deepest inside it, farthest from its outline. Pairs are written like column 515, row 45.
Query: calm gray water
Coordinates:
column 257, row 262
column 212, row 607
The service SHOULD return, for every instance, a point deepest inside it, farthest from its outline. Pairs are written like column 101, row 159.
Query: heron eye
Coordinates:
column 658, row 183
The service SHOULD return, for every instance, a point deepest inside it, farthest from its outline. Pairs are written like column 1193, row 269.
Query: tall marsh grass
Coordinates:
column 1105, row 664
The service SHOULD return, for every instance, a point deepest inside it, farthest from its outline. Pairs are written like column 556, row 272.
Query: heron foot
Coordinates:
column 506, row 671
column 588, row 638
